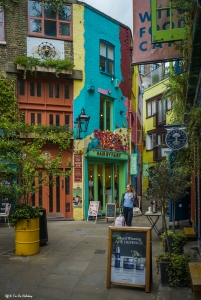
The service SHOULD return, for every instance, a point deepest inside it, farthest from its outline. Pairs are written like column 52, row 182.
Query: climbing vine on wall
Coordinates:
column 55, row 5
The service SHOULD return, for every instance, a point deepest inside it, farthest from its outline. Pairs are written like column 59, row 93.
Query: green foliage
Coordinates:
column 167, row 183
column 23, row 211
column 30, row 63
column 7, row 98
column 177, row 239
column 22, row 159
column 177, row 269
column 56, row 4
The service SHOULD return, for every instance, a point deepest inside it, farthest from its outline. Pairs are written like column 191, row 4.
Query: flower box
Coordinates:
column 43, row 69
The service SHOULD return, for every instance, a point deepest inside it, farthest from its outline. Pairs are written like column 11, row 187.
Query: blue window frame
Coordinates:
column 106, row 57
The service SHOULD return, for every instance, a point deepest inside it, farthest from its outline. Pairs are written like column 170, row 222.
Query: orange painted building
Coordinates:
column 48, row 101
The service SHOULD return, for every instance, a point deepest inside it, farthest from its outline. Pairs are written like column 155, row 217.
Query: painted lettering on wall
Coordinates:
column 144, row 51
column 108, row 154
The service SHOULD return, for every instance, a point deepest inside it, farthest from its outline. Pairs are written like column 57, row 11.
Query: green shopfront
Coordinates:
column 105, row 177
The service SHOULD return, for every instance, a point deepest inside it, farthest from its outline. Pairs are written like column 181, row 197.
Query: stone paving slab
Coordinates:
column 73, row 266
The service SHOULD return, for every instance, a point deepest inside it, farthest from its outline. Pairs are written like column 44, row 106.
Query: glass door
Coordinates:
column 103, row 183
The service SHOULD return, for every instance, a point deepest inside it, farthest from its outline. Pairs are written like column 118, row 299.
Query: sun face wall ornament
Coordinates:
column 46, row 50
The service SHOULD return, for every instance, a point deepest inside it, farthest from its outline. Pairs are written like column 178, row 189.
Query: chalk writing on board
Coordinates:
column 110, row 210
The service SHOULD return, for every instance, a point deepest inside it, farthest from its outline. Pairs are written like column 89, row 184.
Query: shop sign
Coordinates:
column 77, row 168
column 176, row 139
column 133, row 164
column 109, row 154
column 129, row 257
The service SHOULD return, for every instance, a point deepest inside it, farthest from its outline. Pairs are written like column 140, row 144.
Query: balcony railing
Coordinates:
column 155, row 76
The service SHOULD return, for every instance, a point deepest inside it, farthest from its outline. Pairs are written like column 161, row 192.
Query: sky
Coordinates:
column 117, row 9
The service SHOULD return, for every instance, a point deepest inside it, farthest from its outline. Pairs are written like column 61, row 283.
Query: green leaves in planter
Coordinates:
column 30, row 63
column 176, row 241
column 24, row 211
column 177, row 269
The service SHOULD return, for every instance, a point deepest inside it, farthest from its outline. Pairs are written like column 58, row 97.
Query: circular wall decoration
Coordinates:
column 176, row 139
column 46, row 50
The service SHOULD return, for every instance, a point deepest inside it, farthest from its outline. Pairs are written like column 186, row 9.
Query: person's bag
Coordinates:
column 120, row 221
column 136, row 212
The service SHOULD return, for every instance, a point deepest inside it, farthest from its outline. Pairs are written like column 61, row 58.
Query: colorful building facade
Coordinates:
column 102, row 49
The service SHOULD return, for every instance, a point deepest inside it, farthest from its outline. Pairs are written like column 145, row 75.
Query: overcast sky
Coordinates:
column 117, row 9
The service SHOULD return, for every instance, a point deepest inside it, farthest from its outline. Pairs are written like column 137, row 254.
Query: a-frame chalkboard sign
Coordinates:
column 110, row 212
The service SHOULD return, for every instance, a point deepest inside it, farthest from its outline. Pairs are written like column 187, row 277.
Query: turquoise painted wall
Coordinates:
column 97, row 27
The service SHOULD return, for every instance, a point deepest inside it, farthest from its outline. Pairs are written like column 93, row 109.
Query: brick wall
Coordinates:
column 16, row 32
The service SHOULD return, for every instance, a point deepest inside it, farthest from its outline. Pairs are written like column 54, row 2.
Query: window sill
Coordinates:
column 2, row 42
column 108, row 74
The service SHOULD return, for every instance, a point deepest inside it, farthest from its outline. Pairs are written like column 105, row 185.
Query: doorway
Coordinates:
column 104, row 183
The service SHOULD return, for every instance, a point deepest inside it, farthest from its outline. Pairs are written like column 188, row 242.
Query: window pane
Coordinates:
column 67, row 120
column 22, row 88
column 67, row 89
column 108, row 109
column 57, row 120
column 51, row 119
column 102, row 64
column 169, row 104
column 67, row 185
column 32, row 119
column 101, row 114
column 148, row 109
column 110, row 67
column 32, row 89
column 65, row 13
column 64, row 29
column 50, row 28
column 38, row 89
column 49, row 12
column 50, row 90
column 159, row 139
column 35, row 9
column 153, row 140
column 110, row 52
column 57, row 91
column 35, row 25
column 1, row 32
column 102, row 49
column 1, row 14
column 153, row 107
column 39, row 118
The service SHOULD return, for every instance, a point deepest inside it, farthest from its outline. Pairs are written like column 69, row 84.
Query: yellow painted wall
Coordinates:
column 78, row 46
column 134, row 96
column 147, row 156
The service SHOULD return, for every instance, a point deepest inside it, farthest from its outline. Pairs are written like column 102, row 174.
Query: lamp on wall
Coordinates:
column 82, row 120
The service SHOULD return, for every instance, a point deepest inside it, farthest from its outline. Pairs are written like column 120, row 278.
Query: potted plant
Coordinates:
column 176, row 241
column 25, row 219
column 174, row 269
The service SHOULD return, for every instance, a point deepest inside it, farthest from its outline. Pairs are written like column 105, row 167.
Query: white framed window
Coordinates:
column 150, row 141
column 106, row 57
column 151, row 108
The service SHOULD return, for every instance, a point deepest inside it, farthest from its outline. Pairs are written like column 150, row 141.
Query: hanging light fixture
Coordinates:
column 82, row 120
